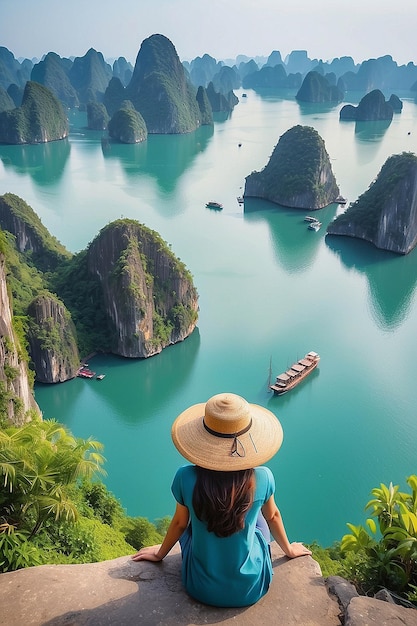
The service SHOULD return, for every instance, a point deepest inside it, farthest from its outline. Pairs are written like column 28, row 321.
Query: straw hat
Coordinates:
column 226, row 433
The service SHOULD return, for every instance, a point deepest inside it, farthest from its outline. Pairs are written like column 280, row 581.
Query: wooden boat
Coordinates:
column 84, row 372
column 296, row 373
column 214, row 205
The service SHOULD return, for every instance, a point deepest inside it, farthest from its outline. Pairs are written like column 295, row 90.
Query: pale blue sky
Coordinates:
column 327, row 29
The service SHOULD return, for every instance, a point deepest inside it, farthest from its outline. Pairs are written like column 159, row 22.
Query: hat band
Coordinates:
column 227, row 435
column 238, row 448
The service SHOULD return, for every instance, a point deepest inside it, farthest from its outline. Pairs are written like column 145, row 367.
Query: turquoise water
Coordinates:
column 270, row 290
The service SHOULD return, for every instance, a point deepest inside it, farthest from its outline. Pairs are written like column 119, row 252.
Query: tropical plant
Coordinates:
column 39, row 464
column 390, row 542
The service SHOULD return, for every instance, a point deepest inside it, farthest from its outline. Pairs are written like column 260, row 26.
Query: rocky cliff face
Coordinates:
column 16, row 397
column 298, row 174
column 148, row 294
column 52, row 338
column 386, row 214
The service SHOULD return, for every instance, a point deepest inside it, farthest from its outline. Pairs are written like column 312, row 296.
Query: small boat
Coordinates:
column 308, row 218
column 316, row 225
column 240, row 200
column 84, row 372
column 295, row 374
column 214, row 205
column 244, row 95
column 340, row 200
column 100, row 376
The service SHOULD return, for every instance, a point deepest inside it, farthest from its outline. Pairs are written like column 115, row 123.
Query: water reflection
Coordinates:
column 143, row 379
column 295, row 245
column 314, row 108
column 62, row 397
column 163, row 157
column 44, row 162
column 275, row 94
column 391, row 277
column 371, row 131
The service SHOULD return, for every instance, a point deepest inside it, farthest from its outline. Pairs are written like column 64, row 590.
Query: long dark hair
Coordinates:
column 222, row 499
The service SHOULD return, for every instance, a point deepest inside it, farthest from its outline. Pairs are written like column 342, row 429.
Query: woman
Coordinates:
column 225, row 509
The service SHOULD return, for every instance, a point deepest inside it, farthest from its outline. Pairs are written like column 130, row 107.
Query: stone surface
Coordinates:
column 124, row 593
column 370, row 611
column 121, row 592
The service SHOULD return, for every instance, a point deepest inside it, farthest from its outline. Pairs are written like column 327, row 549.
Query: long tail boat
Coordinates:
column 296, row 373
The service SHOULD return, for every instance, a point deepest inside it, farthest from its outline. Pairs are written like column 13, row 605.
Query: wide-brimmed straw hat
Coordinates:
column 226, row 433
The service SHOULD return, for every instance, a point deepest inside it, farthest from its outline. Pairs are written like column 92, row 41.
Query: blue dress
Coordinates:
column 225, row 571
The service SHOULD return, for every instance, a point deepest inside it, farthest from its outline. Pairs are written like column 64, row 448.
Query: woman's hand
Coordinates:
column 147, row 554
column 297, row 549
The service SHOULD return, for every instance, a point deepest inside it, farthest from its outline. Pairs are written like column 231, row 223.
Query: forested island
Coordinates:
column 298, row 174
column 385, row 214
column 126, row 294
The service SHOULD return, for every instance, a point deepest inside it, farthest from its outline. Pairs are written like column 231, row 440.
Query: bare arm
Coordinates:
column 177, row 526
column 274, row 520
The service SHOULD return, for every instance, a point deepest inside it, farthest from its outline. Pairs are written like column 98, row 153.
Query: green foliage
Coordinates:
column 38, row 463
column 51, row 511
column 367, row 209
column 23, row 280
column 294, row 167
column 40, row 118
column 160, row 91
column 15, row 550
column 140, row 532
column 388, row 544
column 182, row 317
column 83, row 296
column 44, row 252
column 97, row 116
column 103, row 503
column 128, row 126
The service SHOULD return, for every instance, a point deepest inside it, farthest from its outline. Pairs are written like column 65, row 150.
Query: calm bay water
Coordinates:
column 270, row 290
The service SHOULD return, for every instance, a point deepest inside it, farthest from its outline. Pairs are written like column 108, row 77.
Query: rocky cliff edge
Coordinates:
column 123, row 593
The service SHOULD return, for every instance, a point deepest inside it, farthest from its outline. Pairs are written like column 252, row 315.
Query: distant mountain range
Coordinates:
column 77, row 80
column 170, row 96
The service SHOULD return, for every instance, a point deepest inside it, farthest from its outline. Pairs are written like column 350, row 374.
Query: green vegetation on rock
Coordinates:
column 298, row 173
column 40, row 118
column 128, row 126
column 159, row 89
column 97, row 116
column 40, row 248
column 365, row 213
column 128, row 267
column 51, row 73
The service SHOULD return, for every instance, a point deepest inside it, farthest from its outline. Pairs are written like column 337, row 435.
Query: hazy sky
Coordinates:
column 327, row 29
